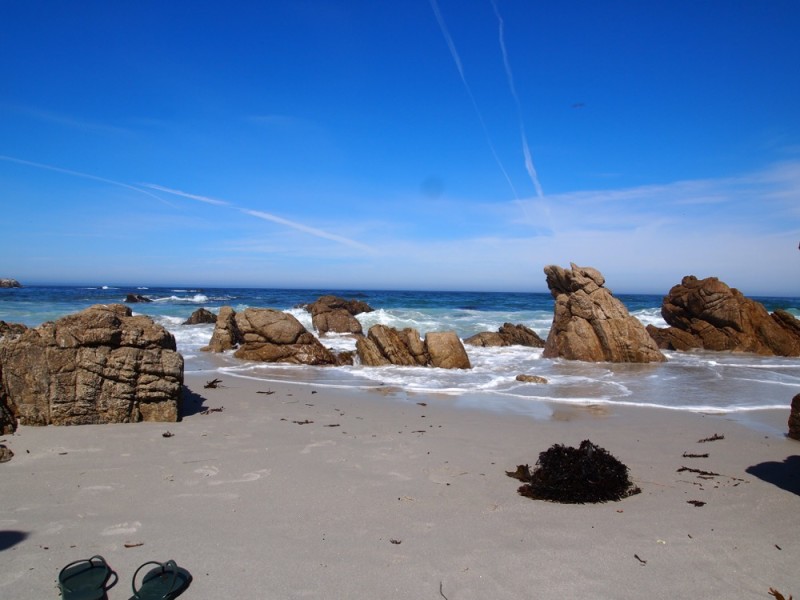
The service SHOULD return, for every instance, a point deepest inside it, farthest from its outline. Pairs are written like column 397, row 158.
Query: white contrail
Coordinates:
column 265, row 216
column 306, row 229
column 526, row 152
column 29, row 163
column 205, row 199
column 457, row 60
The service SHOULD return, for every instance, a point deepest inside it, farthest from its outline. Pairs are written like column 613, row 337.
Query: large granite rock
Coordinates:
column 331, row 313
column 9, row 283
column 267, row 335
column 589, row 324
column 707, row 314
column 386, row 345
column 101, row 365
column 446, row 350
column 794, row 418
column 507, row 335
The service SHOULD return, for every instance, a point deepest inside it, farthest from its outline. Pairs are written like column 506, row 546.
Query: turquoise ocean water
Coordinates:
column 695, row 381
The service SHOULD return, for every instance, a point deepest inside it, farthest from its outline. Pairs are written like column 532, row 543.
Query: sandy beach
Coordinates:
column 297, row 491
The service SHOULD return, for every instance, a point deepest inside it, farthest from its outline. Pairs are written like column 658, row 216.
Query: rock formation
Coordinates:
column 9, row 283
column 201, row 316
column 386, row 345
column 134, row 298
column 707, row 314
column 507, row 335
column 101, row 365
column 267, row 335
column 331, row 313
column 589, row 324
column 794, row 418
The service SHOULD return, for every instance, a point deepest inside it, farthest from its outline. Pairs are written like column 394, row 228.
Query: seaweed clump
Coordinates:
column 587, row 474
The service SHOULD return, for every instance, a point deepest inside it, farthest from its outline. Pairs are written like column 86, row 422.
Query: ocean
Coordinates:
column 704, row 382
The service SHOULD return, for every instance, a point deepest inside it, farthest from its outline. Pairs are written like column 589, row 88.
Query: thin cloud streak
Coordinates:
column 305, row 229
column 454, row 53
column 526, row 151
column 36, row 165
column 266, row 217
column 205, row 199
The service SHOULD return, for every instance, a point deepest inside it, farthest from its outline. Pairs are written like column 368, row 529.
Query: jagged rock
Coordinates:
column 386, row 345
column 226, row 335
column 589, row 324
column 9, row 283
column 707, row 314
column 446, row 350
column 794, row 418
column 507, row 335
column 201, row 316
column 267, row 335
column 337, row 321
column 101, row 365
column 331, row 313
column 8, row 420
column 11, row 330
column 530, row 378
column 391, row 345
column 134, row 298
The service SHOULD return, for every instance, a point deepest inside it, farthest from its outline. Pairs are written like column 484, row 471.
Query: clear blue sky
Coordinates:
column 369, row 144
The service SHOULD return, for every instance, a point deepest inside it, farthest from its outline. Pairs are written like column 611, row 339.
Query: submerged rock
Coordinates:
column 590, row 324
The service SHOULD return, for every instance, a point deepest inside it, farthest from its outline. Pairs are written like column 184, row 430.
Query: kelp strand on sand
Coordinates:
column 587, row 474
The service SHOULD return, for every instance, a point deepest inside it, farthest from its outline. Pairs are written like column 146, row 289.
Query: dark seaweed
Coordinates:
column 587, row 474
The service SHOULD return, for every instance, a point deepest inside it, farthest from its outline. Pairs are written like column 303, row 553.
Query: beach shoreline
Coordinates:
column 278, row 490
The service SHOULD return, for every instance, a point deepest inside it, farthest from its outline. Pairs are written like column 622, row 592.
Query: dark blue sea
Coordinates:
column 712, row 382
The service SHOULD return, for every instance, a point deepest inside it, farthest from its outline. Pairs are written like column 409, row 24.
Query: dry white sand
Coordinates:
column 386, row 495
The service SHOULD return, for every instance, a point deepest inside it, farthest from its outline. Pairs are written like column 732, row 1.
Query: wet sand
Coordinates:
column 312, row 492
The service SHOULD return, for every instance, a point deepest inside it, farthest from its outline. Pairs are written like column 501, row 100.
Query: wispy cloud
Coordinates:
column 526, row 151
column 265, row 216
column 204, row 199
column 64, row 171
column 67, row 120
column 459, row 66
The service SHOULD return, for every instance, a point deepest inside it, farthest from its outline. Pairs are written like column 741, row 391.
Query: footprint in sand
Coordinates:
column 122, row 528
column 207, row 471
column 309, row 447
column 246, row 478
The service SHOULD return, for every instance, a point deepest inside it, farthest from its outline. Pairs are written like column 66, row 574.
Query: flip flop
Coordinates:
column 86, row 579
column 163, row 582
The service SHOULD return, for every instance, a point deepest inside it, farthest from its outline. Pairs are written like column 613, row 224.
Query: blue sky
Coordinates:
column 429, row 144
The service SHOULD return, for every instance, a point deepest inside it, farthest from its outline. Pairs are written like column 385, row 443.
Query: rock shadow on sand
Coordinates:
column 193, row 403
column 785, row 475
column 10, row 537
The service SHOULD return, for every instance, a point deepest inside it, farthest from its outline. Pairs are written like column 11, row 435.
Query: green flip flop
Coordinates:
column 86, row 579
column 163, row 582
